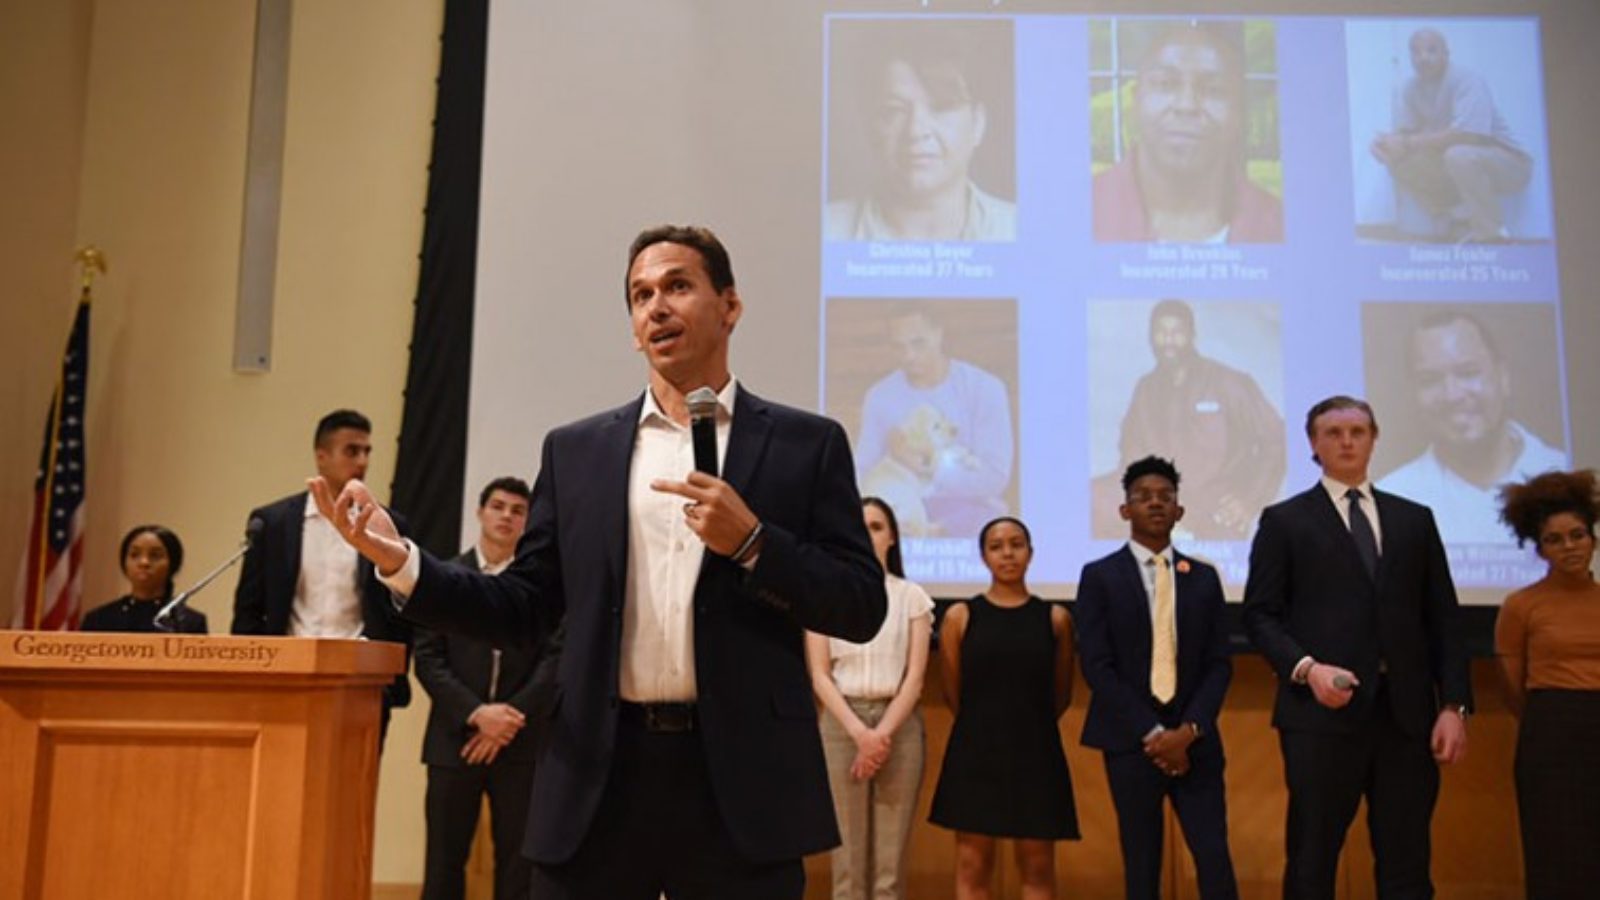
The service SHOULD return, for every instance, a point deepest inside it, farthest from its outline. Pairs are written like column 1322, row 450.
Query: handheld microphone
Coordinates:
column 1343, row 682
column 703, row 427
column 163, row 618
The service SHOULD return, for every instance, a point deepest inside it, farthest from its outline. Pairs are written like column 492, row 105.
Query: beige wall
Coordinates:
column 125, row 125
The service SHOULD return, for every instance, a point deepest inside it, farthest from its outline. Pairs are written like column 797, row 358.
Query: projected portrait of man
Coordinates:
column 1462, row 389
column 920, row 106
column 936, row 440
column 1213, row 418
column 1451, row 151
column 1183, row 179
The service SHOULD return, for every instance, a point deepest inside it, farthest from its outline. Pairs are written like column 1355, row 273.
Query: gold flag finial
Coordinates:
column 90, row 261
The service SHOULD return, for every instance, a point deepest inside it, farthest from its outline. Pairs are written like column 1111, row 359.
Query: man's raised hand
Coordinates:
column 362, row 522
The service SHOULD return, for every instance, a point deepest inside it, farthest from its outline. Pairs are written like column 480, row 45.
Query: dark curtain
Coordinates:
column 431, row 464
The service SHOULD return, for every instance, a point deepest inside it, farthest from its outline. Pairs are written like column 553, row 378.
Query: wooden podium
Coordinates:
column 165, row 766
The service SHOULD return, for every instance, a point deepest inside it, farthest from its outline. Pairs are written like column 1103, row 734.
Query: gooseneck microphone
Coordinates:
column 703, row 426
column 163, row 618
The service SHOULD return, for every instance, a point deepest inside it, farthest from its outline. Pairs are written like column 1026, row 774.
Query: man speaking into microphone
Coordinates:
column 684, row 756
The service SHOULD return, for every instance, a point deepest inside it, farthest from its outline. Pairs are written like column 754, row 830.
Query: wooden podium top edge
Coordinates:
column 87, row 652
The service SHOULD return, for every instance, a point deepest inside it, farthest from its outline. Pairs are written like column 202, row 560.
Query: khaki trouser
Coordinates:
column 875, row 815
column 1465, row 182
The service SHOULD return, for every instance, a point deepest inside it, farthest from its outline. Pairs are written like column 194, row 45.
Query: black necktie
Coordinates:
column 1361, row 530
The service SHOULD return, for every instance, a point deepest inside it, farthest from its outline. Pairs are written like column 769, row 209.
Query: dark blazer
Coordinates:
column 757, row 721
column 1114, row 637
column 1308, row 594
column 265, row 594
column 456, row 670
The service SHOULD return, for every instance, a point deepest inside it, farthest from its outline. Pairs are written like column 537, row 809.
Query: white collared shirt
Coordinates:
column 483, row 561
column 327, row 599
column 1336, row 491
column 664, row 557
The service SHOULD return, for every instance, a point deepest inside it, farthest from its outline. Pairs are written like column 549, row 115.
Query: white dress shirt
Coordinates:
column 664, row 557
column 327, row 600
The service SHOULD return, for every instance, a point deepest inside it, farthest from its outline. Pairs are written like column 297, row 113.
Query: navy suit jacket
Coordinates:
column 456, row 672
column 265, row 595
column 757, row 721
column 1114, row 637
column 1309, row 595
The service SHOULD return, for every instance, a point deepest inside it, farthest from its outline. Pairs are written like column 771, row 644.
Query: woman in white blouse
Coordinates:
column 872, row 727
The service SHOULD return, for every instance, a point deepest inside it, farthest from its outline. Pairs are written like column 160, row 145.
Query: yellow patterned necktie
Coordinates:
column 1164, row 638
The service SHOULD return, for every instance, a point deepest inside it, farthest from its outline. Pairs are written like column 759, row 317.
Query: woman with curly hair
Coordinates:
column 1547, row 638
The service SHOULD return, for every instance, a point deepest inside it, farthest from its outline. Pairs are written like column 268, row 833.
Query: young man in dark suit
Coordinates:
column 488, row 705
column 299, row 578
column 1350, row 600
column 1154, row 649
column 684, row 753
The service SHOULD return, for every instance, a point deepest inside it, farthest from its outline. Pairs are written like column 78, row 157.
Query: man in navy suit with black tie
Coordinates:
column 1154, row 649
column 683, row 755
column 1351, row 602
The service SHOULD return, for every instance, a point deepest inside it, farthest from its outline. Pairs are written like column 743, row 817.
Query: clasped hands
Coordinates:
column 496, row 724
column 872, row 751
column 1168, row 750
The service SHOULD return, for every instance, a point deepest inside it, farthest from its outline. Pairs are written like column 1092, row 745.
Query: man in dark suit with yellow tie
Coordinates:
column 1350, row 600
column 1154, row 649
column 684, row 755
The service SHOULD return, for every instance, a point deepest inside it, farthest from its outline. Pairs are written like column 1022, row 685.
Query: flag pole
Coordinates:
column 91, row 262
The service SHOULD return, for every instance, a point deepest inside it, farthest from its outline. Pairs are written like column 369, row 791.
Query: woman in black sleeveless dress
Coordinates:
column 1007, row 660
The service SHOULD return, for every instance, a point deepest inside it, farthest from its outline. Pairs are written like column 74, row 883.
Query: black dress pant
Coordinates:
column 658, row 831
column 455, row 796
column 1139, row 791
column 1327, row 776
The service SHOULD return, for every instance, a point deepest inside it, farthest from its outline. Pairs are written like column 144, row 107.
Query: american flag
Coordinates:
column 50, row 580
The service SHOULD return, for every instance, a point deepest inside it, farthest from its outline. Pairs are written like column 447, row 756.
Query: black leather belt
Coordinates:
column 661, row 718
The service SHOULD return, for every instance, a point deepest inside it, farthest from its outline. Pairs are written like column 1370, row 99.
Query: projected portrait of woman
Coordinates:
column 920, row 132
column 1184, row 125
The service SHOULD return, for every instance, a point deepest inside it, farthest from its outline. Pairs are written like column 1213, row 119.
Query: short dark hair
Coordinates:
column 340, row 418
column 895, row 564
column 1527, row 506
column 1447, row 317
column 1150, row 465
column 983, row 533
column 168, row 539
column 1176, row 309
column 508, row 483
column 719, row 268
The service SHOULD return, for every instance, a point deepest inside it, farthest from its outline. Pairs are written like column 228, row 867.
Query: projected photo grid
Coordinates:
column 1054, row 244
